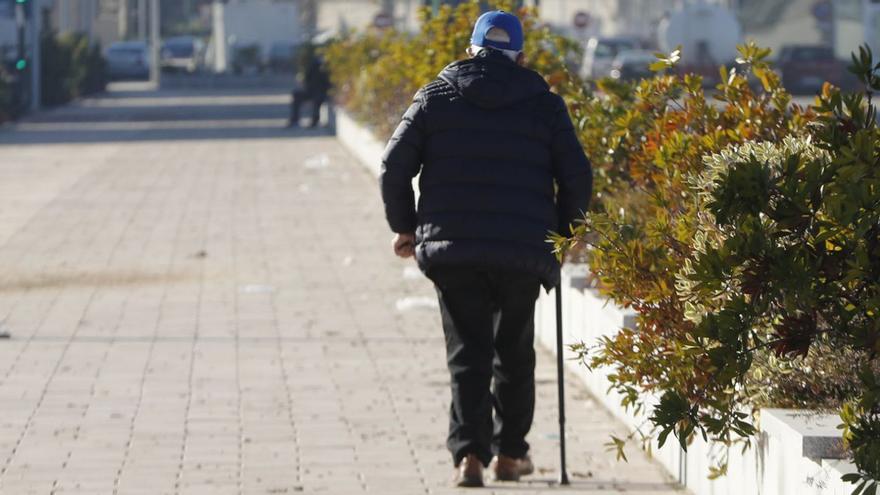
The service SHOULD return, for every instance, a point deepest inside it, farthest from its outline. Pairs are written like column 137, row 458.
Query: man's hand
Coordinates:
column 404, row 245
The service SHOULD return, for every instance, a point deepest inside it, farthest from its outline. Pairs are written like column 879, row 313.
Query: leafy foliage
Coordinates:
column 746, row 235
column 377, row 73
column 5, row 97
column 72, row 67
column 645, row 140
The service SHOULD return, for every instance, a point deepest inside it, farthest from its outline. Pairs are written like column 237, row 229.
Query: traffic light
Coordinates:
column 22, row 13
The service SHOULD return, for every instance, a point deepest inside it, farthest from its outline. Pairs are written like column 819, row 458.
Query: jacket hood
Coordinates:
column 491, row 80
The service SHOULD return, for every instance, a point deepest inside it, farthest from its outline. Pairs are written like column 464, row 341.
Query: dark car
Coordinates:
column 806, row 67
column 247, row 58
column 599, row 55
column 128, row 60
column 282, row 56
column 633, row 65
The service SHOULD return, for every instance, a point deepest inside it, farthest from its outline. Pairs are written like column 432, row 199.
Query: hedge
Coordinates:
column 5, row 99
column 71, row 67
column 377, row 73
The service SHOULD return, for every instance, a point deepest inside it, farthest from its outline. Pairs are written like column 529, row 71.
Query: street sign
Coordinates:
column 582, row 19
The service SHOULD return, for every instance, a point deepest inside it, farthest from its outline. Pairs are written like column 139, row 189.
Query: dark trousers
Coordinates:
column 488, row 320
column 298, row 97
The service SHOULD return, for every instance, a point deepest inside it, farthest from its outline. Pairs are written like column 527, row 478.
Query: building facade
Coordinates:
column 842, row 24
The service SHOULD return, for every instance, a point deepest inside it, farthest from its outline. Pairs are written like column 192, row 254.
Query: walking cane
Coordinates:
column 560, row 381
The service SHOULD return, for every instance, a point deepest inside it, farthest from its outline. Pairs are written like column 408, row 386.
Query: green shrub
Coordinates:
column 71, row 67
column 5, row 98
column 377, row 73
column 747, row 239
column 91, row 70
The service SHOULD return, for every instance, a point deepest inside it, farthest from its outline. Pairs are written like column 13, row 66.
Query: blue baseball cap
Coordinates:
column 501, row 20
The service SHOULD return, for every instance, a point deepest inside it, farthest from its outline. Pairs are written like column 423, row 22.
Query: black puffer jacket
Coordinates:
column 490, row 140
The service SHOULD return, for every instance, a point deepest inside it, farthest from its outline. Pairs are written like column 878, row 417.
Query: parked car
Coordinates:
column 128, row 60
column 246, row 58
column 632, row 65
column 182, row 54
column 600, row 53
column 806, row 67
column 282, row 56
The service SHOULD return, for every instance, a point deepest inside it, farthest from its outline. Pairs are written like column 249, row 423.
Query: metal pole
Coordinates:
column 35, row 70
column 91, row 13
column 21, row 26
column 122, row 20
column 155, row 41
column 22, row 99
column 560, row 381
column 219, row 35
column 142, row 19
column 64, row 23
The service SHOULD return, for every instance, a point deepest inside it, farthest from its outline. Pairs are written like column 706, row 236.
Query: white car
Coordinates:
column 128, row 60
column 182, row 54
column 600, row 53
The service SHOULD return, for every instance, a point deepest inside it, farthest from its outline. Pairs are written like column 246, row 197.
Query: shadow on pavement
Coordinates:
column 70, row 136
column 177, row 113
column 133, row 115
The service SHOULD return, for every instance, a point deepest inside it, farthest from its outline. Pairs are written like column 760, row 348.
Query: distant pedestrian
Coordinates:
column 500, row 167
column 314, row 86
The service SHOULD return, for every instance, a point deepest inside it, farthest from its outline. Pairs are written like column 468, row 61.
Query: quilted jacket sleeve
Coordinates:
column 571, row 169
column 401, row 162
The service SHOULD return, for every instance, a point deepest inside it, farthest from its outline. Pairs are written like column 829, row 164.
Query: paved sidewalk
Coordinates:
column 203, row 303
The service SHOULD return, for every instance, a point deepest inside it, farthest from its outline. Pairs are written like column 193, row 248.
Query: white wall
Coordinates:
column 611, row 18
column 263, row 22
column 796, row 25
column 638, row 17
column 335, row 15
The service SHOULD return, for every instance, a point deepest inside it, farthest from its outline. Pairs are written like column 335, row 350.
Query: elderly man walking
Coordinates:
column 500, row 168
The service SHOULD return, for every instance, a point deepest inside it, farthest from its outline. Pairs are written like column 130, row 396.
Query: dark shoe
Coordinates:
column 506, row 468
column 291, row 124
column 469, row 472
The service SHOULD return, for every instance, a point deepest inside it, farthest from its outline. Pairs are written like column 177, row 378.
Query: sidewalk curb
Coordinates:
column 359, row 141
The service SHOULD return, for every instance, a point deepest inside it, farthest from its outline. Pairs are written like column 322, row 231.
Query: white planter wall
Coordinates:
column 785, row 459
column 359, row 141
